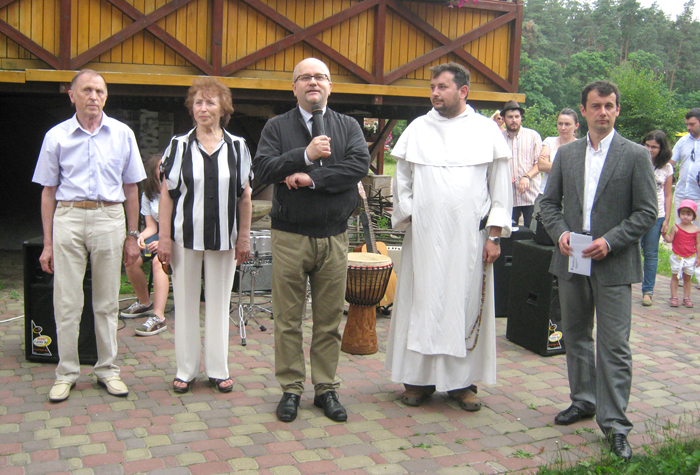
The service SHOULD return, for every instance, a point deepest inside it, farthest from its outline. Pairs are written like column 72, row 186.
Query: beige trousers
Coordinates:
column 78, row 233
column 324, row 261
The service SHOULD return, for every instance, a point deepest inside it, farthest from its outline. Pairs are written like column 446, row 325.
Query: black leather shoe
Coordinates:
column 571, row 415
column 331, row 407
column 287, row 408
column 620, row 446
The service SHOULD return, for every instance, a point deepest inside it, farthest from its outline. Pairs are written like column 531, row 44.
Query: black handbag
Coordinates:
column 541, row 236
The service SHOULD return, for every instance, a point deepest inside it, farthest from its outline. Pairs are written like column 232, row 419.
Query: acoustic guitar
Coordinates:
column 377, row 248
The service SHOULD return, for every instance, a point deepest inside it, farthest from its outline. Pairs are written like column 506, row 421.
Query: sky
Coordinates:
column 671, row 7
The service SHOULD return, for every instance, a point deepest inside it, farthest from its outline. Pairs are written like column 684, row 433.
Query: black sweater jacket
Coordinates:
column 324, row 210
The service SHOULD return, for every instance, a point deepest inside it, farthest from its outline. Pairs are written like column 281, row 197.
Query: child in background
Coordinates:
column 685, row 237
column 148, row 241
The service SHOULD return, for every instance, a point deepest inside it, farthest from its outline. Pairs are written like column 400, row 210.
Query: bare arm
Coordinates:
column 48, row 208
column 131, row 209
column 524, row 183
column 668, row 237
column 668, row 203
column 543, row 161
column 491, row 250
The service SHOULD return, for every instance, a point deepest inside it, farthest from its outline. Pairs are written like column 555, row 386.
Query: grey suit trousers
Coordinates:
column 600, row 377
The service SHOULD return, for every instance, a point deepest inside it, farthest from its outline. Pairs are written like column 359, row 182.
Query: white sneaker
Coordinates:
column 136, row 310
column 152, row 326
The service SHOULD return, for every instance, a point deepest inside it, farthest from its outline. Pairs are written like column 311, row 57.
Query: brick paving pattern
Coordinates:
column 155, row 431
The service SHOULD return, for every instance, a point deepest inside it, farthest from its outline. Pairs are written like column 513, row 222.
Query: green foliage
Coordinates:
column 544, row 123
column 542, row 78
column 646, row 103
column 569, row 43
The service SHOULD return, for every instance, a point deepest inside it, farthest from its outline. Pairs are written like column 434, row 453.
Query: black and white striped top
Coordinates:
column 205, row 190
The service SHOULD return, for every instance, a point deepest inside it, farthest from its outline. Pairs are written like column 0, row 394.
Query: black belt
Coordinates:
column 482, row 223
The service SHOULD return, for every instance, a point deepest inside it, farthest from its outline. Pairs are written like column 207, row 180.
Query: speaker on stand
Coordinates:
column 534, row 311
column 40, row 326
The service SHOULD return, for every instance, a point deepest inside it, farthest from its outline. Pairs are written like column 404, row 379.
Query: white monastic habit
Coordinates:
column 450, row 173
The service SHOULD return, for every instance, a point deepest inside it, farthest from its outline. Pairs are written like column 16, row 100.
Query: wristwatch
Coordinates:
column 495, row 239
column 135, row 234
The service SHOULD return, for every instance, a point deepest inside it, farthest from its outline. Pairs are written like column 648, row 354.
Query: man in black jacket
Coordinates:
column 315, row 191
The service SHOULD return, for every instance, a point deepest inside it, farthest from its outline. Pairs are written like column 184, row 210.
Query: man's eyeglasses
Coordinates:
column 306, row 78
column 692, row 155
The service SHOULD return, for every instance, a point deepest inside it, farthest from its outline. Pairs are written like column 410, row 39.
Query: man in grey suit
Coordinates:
column 603, row 186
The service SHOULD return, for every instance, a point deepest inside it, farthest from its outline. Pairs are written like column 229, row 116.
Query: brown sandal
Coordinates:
column 416, row 395
column 673, row 301
column 466, row 398
column 687, row 303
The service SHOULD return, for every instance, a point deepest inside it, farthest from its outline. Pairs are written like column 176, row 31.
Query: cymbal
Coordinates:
column 260, row 209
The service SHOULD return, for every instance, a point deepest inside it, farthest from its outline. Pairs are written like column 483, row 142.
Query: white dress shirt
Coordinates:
column 595, row 159
column 89, row 166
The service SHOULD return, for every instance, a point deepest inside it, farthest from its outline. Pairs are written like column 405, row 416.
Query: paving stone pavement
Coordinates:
column 156, row 431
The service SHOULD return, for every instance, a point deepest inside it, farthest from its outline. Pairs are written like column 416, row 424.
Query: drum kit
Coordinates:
column 260, row 255
column 367, row 280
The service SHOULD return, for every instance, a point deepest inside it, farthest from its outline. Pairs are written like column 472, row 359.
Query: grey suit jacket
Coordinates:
column 624, row 208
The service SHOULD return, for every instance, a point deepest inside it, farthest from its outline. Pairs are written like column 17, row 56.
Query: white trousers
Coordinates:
column 219, row 269
column 100, row 234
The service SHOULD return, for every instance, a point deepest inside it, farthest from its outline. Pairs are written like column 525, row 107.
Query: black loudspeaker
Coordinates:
column 40, row 327
column 502, row 269
column 534, row 312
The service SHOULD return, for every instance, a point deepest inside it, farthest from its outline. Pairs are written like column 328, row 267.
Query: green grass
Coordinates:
column 676, row 458
column 674, row 449
column 664, row 266
column 389, row 165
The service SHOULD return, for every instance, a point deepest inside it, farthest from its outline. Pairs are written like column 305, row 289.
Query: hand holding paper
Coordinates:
column 577, row 263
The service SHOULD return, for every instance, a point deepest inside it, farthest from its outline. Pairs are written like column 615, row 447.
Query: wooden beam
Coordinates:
column 494, row 5
column 4, row 3
column 64, row 34
column 12, row 76
column 142, row 22
column 379, row 42
column 516, row 38
column 217, row 36
column 299, row 34
column 185, row 80
column 29, row 44
column 449, row 46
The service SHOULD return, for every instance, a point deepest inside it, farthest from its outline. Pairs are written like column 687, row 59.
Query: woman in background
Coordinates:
column 657, row 144
column 567, row 125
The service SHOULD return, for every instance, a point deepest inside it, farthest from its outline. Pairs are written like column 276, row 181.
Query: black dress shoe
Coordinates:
column 331, row 407
column 620, row 446
column 571, row 415
column 287, row 408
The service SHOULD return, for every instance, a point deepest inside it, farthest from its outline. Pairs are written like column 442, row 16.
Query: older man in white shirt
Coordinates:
column 88, row 165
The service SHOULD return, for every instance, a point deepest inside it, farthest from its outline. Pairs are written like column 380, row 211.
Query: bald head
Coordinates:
column 312, row 84
column 311, row 61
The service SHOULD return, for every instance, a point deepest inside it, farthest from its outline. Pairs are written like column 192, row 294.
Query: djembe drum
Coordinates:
column 368, row 276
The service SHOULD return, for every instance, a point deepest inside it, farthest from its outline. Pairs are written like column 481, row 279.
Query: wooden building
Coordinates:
column 379, row 53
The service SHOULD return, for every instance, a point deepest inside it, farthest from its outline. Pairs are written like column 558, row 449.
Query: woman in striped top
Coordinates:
column 206, row 215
